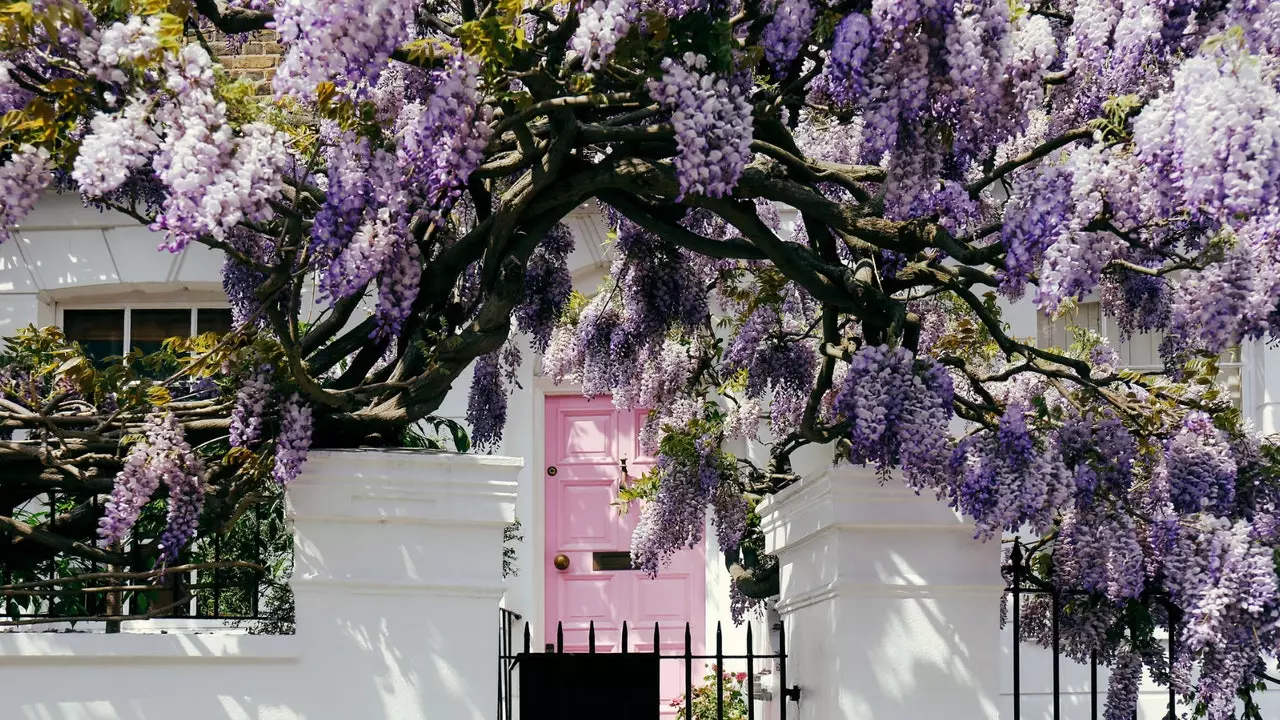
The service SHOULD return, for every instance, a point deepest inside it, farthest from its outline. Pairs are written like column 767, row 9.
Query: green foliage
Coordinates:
column 706, row 704
column 511, row 536
column 573, row 309
column 413, row 437
column 1116, row 113
column 966, row 336
column 261, row 534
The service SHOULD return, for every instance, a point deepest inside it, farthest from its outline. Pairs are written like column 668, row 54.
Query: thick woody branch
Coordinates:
column 1043, row 150
column 647, row 218
column 17, row 528
column 230, row 19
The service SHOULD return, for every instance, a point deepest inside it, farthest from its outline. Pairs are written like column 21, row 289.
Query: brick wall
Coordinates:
column 255, row 60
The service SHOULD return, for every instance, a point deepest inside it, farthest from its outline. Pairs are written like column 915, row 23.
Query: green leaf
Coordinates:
column 158, row 396
column 461, row 441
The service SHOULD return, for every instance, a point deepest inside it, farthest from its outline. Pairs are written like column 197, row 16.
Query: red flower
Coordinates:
column 740, row 677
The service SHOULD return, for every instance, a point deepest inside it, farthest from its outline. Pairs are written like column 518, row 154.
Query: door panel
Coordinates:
column 586, row 442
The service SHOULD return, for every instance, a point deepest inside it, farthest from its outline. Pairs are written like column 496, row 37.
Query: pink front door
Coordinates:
column 588, row 443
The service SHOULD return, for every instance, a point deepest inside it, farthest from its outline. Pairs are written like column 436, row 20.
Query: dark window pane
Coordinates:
column 99, row 332
column 150, row 328
column 215, row 320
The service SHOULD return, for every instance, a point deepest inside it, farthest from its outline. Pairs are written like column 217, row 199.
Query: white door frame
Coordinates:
column 543, row 388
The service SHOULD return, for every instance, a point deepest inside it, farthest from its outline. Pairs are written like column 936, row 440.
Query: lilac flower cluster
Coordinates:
column 729, row 515
column 1227, row 588
column 1122, row 688
column 674, row 519
column 713, row 123
column 12, row 95
column 1032, row 53
column 659, row 289
column 562, row 361
column 163, row 455
column 106, row 54
column 487, row 402
column 368, row 250
column 1211, row 142
column 850, row 48
column 1099, row 451
column 600, row 26
column 294, row 440
column 1235, row 298
column 346, row 42
column 215, row 179
column 116, row 146
column 441, row 141
column 251, row 405
column 668, row 368
column 241, row 282
column 22, row 179
column 787, row 32
column 774, row 363
column 898, row 409
column 1197, row 471
column 1099, row 552
column 741, row 606
column 1003, row 481
column 547, row 286
column 1103, row 182
column 1137, row 302
column 353, row 169
column 1033, row 220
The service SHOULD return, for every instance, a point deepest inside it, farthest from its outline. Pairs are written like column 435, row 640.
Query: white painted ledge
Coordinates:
column 26, row 648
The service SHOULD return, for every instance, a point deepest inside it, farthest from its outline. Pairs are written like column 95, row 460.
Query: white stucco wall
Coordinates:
column 67, row 254
column 387, row 622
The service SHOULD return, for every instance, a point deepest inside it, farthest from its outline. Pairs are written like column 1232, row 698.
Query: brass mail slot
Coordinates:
column 611, row 561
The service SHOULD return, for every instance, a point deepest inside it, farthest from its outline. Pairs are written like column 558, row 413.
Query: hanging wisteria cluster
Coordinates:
column 165, row 457
column 809, row 214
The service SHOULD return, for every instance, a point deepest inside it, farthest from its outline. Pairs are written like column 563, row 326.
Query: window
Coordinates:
column 1140, row 352
column 106, row 332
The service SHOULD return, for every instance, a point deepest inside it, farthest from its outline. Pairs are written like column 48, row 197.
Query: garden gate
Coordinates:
column 625, row 685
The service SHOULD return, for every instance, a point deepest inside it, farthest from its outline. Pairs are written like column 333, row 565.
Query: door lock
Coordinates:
column 561, row 562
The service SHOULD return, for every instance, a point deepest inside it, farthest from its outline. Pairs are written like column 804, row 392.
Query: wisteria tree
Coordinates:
column 413, row 162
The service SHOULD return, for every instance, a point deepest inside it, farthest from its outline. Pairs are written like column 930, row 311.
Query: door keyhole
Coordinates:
column 624, row 467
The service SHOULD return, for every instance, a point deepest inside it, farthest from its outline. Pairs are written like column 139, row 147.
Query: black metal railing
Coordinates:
column 506, row 659
column 1023, row 582
column 510, row 662
column 222, row 577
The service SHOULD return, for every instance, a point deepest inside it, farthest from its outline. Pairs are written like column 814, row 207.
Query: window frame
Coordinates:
column 194, row 306
column 1246, row 351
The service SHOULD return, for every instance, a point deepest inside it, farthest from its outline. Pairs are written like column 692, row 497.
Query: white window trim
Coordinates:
column 1248, row 357
column 128, row 308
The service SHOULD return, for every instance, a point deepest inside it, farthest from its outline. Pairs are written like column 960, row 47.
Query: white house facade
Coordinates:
column 100, row 277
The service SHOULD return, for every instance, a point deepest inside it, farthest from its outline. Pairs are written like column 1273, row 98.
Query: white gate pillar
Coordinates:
column 890, row 607
column 397, row 579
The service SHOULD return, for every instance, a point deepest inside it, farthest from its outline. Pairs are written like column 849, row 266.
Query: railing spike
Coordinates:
column 688, row 672
column 719, row 670
column 751, row 676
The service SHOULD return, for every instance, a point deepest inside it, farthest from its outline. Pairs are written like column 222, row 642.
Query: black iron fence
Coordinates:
column 507, row 660
column 626, row 684
column 1025, row 583
column 231, row 575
